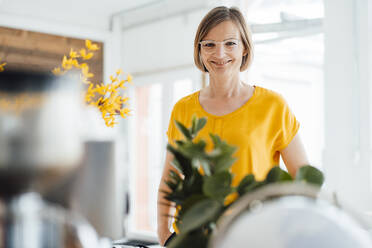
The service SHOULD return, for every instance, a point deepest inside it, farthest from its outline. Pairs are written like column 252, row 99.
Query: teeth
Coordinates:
column 222, row 63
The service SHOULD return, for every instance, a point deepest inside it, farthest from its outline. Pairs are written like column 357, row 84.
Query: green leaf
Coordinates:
column 183, row 130
column 310, row 174
column 174, row 176
column 215, row 139
column 218, row 186
column 195, row 239
column 253, row 186
column 247, row 181
column 199, row 214
column 176, row 165
column 189, row 202
column 194, row 122
column 223, row 163
column 194, row 183
column 176, row 196
column 193, row 150
column 183, row 161
column 277, row 175
column 204, row 164
column 200, row 124
column 180, row 142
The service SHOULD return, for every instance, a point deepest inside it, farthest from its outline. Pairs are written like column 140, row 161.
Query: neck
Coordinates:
column 224, row 87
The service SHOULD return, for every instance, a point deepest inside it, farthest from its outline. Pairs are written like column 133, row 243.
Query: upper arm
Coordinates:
column 294, row 155
column 167, row 166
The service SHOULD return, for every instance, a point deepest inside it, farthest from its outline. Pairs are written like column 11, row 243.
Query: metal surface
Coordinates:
column 289, row 215
column 28, row 221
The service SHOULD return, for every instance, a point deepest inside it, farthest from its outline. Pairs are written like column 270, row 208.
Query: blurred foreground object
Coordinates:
column 39, row 139
column 28, row 221
column 40, row 150
column 286, row 216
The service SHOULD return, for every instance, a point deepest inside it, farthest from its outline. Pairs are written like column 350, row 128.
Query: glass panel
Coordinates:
column 148, row 153
column 289, row 60
column 148, row 156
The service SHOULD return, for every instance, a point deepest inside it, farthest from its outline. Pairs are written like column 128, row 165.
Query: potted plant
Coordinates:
column 200, row 184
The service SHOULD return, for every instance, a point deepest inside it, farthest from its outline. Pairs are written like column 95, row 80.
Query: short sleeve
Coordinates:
column 288, row 126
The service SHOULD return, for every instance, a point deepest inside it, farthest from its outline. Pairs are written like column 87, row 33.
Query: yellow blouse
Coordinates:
column 260, row 128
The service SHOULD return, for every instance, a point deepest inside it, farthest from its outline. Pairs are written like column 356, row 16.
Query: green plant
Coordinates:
column 201, row 187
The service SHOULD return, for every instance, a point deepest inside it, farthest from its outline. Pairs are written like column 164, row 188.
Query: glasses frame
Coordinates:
column 202, row 48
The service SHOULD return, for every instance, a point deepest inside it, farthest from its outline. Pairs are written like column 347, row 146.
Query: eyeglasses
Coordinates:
column 210, row 46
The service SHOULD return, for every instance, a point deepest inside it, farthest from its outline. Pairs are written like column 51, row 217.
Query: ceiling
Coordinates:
column 90, row 13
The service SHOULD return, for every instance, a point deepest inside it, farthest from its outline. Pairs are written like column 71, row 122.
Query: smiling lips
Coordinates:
column 221, row 63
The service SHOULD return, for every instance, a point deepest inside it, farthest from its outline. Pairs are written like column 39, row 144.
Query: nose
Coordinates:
column 220, row 51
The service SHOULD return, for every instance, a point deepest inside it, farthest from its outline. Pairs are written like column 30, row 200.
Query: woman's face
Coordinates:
column 222, row 49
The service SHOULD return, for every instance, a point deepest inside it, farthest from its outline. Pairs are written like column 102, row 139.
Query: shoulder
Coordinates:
column 269, row 96
column 186, row 101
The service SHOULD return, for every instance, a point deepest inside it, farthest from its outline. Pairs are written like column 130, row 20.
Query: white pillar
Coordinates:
column 347, row 104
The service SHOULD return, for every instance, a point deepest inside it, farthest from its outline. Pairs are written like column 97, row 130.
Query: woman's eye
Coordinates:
column 230, row 43
column 209, row 44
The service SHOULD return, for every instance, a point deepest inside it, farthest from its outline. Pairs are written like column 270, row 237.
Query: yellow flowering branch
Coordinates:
column 109, row 102
column 2, row 66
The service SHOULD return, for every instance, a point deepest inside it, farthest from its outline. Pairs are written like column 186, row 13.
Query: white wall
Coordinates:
column 166, row 43
column 347, row 102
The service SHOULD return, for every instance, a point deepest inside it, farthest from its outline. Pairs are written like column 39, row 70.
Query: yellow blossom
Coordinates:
column 102, row 89
column 83, row 65
column 85, row 55
column 112, row 90
column 86, row 72
column 85, row 80
column 129, row 78
column 91, row 46
column 121, row 84
column 113, row 79
column 110, row 102
column 66, row 63
column 98, row 102
column 2, row 66
column 75, row 63
column 57, row 71
column 124, row 112
column 118, row 72
column 89, row 94
column 73, row 54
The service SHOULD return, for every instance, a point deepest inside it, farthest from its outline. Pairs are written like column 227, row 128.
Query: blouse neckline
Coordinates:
column 255, row 93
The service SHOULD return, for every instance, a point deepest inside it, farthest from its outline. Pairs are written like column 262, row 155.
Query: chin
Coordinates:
column 223, row 71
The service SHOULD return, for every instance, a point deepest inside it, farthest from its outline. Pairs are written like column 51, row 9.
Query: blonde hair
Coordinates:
column 215, row 17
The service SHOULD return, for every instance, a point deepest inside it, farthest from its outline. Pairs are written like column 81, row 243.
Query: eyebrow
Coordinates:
column 224, row 39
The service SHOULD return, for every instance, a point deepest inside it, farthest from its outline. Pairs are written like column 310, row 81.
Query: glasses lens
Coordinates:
column 230, row 45
column 211, row 46
column 208, row 46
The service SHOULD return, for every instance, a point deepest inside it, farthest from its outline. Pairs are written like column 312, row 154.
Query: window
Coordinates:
column 151, row 112
column 288, row 43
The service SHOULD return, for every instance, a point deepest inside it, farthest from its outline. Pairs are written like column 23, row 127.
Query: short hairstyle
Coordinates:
column 215, row 17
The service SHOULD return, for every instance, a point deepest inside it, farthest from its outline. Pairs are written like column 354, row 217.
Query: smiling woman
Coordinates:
column 256, row 120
